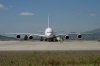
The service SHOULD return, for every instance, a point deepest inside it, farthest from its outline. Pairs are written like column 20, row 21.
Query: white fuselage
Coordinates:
column 49, row 33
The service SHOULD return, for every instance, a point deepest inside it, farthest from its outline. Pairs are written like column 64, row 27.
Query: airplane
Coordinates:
column 49, row 35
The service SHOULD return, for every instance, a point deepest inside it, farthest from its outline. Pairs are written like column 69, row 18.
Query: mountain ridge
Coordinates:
column 6, row 38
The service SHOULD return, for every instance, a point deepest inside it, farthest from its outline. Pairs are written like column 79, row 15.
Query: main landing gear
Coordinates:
column 48, row 39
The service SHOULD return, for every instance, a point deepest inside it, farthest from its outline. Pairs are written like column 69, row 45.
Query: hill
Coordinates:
column 94, row 34
column 95, row 31
column 6, row 38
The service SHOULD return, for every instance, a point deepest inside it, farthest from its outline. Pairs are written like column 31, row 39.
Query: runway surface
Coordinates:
column 48, row 46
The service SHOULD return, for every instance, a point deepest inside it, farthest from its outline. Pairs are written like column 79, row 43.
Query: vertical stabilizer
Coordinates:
column 48, row 22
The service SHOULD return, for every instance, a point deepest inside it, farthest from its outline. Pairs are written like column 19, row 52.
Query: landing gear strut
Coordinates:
column 52, row 39
column 41, row 39
column 26, row 37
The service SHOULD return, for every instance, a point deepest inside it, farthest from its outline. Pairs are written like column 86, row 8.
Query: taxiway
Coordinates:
column 48, row 46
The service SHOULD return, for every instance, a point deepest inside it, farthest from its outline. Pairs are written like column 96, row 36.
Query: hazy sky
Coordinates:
column 65, row 15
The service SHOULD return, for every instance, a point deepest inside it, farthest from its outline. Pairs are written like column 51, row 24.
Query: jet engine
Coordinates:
column 66, row 37
column 58, row 38
column 30, row 37
column 18, row 36
column 79, row 36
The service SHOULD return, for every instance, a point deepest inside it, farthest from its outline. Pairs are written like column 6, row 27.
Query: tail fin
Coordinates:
column 48, row 22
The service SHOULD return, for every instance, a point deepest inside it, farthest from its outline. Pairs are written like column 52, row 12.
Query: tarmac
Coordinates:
column 49, row 46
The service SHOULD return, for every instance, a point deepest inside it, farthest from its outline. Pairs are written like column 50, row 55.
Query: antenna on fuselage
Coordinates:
column 48, row 22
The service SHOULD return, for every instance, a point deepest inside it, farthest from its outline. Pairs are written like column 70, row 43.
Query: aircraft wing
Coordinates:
column 61, row 35
column 16, row 33
column 67, row 36
column 40, row 35
column 23, row 34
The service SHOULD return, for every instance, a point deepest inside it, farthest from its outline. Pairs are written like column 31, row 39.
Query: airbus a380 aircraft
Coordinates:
column 49, row 35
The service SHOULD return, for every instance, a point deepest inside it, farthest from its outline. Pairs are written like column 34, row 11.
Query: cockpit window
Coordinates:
column 49, row 32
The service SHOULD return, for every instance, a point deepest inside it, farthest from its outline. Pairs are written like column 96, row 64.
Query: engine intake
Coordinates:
column 18, row 36
column 30, row 37
column 79, row 36
column 66, row 37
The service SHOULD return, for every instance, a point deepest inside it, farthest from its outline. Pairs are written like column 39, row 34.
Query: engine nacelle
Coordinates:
column 58, row 38
column 79, row 36
column 66, row 37
column 18, row 36
column 30, row 37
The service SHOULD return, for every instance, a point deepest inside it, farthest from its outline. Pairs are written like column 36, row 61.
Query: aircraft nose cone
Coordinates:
column 48, row 34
